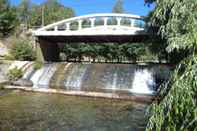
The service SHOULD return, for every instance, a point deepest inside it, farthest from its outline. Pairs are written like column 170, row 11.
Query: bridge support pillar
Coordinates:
column 49, row 51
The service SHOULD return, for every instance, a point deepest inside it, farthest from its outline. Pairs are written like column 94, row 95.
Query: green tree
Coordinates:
column 177, row 26
column 24, row 10
column 22, row 50
column 118, row 7
column 54, row 11
column 36, row 15
column 8, row 19
column 51, row 11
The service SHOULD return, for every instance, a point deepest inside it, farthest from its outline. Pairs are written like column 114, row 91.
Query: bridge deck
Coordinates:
column 96, row 39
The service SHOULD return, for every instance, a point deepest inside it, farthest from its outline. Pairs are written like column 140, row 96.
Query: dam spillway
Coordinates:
column 113, row 78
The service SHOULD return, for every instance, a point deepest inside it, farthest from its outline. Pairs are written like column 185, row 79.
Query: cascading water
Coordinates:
column 96, row 77
column 41, row 77
column 75, row 77
column 143, row 82
column 114, row 81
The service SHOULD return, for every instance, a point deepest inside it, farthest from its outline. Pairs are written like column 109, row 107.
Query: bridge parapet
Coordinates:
column 96, row 24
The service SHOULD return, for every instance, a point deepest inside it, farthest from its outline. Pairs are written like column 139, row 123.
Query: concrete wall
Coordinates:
column 49, row 51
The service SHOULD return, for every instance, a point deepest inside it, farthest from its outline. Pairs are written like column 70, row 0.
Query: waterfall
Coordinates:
column 36, row 77
column 114, row 78
column 75, row 77
column 143, row 82
column 112, row 84
column 28, row 73
column 41, row 77
column 48, row 72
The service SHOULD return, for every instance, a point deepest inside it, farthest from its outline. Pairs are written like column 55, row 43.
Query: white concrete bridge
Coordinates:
column 111, row 24
column 99, row 28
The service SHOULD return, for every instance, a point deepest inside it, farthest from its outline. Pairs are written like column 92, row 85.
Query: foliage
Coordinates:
column 176, row 21
column 9, row 57
column 23, row 11
column 106, row 51
column 177, row 24
column 1, row 87
column 118, row 7
column 178, row 110
column 51, row 11
column 15, row 73
column 38, row 65
column 8, row 19
column 31, row 15
column 22, row 50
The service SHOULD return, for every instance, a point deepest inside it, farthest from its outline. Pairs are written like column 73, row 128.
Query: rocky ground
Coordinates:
column 3, row 49
column 3, row 72
column 5, row 66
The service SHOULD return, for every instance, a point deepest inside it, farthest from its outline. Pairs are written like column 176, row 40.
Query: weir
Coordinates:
column 106, row 78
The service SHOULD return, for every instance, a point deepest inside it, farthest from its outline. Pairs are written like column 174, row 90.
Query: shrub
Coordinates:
column 9, row 57
column 22, row 50
column 15, row 73
column 38, row 65
column 1, row 86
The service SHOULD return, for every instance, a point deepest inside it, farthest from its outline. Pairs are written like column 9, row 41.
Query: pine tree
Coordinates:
column 8, row 18
column 118, row 7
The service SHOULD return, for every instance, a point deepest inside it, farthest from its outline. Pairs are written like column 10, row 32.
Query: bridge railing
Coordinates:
column 95, row 20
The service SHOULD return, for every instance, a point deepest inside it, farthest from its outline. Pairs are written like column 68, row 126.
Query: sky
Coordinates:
column 83, row 7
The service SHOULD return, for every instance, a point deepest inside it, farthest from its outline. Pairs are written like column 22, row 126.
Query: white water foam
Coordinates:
column 48, row 72
column 28, row 73
column 36, row 77
column 75, row 77
column 143, row 82
column 113, row 84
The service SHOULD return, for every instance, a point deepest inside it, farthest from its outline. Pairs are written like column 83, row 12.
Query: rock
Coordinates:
column 4, row 82
column 3, row 49
column 23, row 82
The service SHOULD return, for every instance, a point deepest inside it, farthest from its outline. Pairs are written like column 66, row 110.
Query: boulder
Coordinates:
column 23, row 82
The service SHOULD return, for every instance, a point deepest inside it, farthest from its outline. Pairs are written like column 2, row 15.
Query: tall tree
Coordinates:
column 177, row 25
column 54, row 11
column 24, row 11
column 118, row 7
column 51, row 11
column 8, row 18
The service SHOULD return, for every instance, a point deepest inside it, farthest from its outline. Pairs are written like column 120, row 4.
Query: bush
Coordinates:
column 1, row 86
column 38, row 65
column 9, row 57
column 22, row 50
column 15, row 73
column 107, row 51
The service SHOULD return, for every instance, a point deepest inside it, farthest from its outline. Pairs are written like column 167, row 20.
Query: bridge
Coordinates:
column 107, row 27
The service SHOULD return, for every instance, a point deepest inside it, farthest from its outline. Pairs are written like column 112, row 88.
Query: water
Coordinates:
column 75, row 77
column 52, row 112
column 121, row 78
column 143, row 82
column 41, row 77
column 27, row 111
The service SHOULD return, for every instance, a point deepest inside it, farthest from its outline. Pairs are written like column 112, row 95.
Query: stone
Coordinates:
column 4, row 82
column 23, row 82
